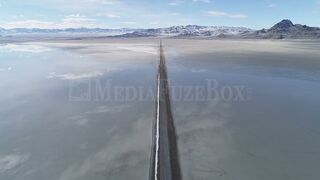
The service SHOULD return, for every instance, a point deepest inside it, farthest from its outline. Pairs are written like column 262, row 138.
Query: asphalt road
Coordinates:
column 164, row 156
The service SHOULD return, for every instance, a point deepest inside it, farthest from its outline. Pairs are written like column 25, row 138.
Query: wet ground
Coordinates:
column 244, row 110
column 57, row 120
column 260, row 119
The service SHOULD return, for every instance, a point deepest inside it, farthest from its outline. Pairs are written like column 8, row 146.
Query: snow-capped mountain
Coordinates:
column 189, row 31
column 286, row 30
column 174, row 31
column 282, row 30
column 70, row 32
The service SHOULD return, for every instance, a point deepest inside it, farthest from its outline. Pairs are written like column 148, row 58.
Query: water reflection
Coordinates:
column 45, row 135
column 274, row 135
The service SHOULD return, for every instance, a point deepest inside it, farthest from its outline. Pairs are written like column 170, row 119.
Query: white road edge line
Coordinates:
column 158, row 131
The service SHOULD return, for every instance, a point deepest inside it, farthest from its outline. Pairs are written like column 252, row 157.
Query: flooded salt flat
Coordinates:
column 273, row 133
column 56, row 121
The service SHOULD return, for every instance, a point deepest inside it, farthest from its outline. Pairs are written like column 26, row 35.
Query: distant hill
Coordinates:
column 70, row 32
column 286, row 30
column 282, row 30
column 190, row 31
column 174, row 31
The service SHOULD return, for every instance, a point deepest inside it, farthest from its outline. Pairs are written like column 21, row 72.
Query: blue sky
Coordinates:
column 155, row 13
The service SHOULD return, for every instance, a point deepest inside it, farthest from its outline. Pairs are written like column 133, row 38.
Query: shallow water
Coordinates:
column 272, row 132
column 55, row 122
column 258, row 119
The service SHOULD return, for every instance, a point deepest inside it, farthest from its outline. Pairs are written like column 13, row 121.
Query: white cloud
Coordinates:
column 173, row 14
column 154, row 23
column 18, row 16
column 109, row 2
column 6, row 69
column 77, row 2
column 112, row 16
column 129, row 22
column 173, row 4
column 108, row 15
column 205, row 1
column 77, row 21
column 69, row 6
column 272, row 6
column 224, row 14
column 70, row 21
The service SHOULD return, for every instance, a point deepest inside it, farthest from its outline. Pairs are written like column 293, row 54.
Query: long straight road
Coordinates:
column 165, row 159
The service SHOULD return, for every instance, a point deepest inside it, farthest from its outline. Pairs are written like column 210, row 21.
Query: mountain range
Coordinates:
column 286, row 30
column 190, row 31
column 70, row 32
column 282, row 30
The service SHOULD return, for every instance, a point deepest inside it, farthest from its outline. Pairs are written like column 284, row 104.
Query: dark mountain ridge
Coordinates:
column 286, row 30
column 282, row 30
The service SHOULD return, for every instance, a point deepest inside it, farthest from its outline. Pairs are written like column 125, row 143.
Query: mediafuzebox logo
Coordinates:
column 107, row 90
